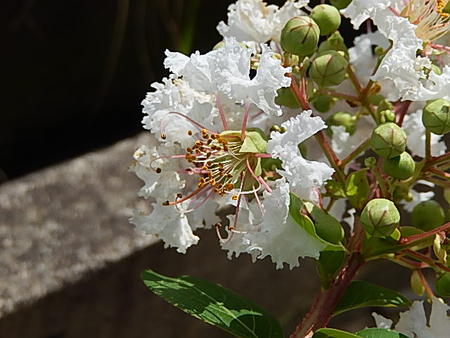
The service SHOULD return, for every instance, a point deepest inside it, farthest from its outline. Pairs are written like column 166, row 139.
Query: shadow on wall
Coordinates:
column 74, row 72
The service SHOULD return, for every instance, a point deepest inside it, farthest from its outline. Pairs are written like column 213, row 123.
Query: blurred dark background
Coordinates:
column 74, row 72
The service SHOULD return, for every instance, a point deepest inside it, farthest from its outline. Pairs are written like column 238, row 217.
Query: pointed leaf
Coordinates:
column 362, row 294
column 374, row 332
column 214, row 304
column 333, row 333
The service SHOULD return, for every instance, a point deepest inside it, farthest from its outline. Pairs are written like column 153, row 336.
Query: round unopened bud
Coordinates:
column 323, row 103
column 343, row 119
column 427, row 215
column 329, row 69
column 388, row 140
column 402, row 166
column 436, row 116
column 380, row 217
column 327, row 17
column 286, row 98
column 340, row 4
column 300, row 36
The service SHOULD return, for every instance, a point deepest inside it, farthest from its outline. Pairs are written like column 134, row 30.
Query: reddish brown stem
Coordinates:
column 324, row 305
column 438, row 172
column 300, row 94
column 401, row 109
column 430, row 261
column 418, row 237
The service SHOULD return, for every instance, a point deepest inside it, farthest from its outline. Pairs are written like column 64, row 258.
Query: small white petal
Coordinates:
column 168, row 224
column 253, row 20
column 382, row 322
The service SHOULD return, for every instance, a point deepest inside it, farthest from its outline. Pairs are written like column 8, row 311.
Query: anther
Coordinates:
column 189, row 132
column 163, row 136
column 166, row 203
column 158, row 170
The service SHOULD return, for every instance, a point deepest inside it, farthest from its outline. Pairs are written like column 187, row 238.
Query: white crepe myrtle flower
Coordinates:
column 416, row 131
column 254, row 20
column 305, row 177
column 269, row 230
column 414, row 323
column 411, row 26
column 226, row 70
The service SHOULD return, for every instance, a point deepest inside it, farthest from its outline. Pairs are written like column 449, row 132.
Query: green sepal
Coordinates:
column 327, row 226
column 214, row 304
column 254, row 142
column 295, row 207
column 357, row 188
column 361, row 294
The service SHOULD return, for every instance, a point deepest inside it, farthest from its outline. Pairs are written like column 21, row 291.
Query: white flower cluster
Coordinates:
column 211, row 101
column 222, row 152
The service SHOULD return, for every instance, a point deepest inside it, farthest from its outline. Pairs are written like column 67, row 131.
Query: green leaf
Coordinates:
column 328, row 265
column 305, row 222
column 362, row 294
column 214, row 305
column 374, row 332
column 443, row 285
column 253, row 143
column 357, row 188
column 327, row 226
column 333, row 333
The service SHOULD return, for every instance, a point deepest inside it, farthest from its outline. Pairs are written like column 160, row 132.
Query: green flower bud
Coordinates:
column 443, row 285
column 286, row 98
column 300, row 36
column 380, row 217
column 379, row 51
column 388, row 140
column 334, row 42
column 416, row 283
column 447, row 195
column 343, row 119
column 340, row 4
column 439, row 250
column 384, row 105
column 323, row 103
column 327, row 17
column 328, row 69
column 370, row 162
column 436, row 116
column 386, row 116
column 402, row 166
column 427, row 215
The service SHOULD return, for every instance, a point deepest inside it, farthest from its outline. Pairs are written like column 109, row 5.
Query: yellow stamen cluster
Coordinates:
column 216, row 159
column 430, row 18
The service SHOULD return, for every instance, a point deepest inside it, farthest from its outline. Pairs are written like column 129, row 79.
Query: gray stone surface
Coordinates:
column 61, row 222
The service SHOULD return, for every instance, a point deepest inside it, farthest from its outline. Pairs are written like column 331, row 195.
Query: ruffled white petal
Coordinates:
column 413, row 323
column 227, row 70
column 166, row 184
column 410, row 75
column 169, row 225
column 305, row 177
column 253, row 20
column 280, row 236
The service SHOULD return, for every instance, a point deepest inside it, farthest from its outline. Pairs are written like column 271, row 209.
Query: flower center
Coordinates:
column 431, row 17
column 224, row 162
